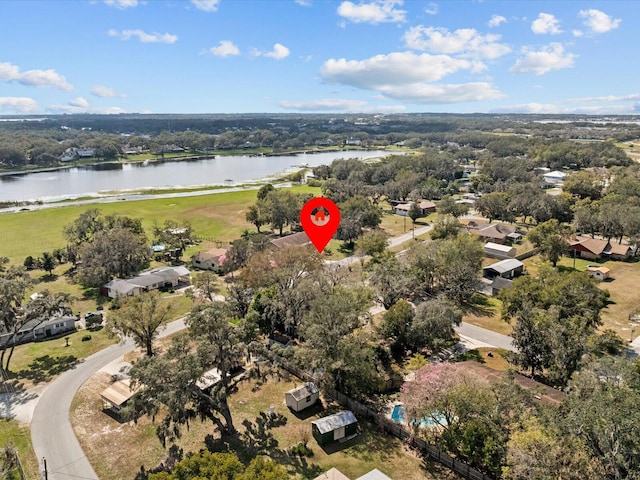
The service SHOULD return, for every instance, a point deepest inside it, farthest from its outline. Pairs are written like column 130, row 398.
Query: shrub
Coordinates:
column 86, row 338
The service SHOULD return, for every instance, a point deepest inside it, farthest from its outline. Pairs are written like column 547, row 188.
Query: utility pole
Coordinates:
column 45, row 474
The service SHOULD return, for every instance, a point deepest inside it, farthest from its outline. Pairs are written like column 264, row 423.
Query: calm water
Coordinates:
column 80, row 181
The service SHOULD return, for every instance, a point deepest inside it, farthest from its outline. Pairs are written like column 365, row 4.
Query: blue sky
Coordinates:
column 383, row 56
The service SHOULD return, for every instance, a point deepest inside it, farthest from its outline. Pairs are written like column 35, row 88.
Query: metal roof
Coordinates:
column 505, row 265
column 303, row 391
column 332, row 422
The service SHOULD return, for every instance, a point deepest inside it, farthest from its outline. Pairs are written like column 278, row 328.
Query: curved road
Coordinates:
column 51, row 432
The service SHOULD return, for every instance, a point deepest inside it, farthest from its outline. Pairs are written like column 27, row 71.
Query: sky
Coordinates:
column 319, row 56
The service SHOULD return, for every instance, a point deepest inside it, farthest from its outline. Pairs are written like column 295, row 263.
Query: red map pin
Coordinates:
column 320, row 218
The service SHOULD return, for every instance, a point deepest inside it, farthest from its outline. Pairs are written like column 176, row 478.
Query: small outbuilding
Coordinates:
column 334, row 427
column 508, row 268
column 117, row 395
column 301, row 397
column 496, row 250
column 598, row 272
column 374, row 474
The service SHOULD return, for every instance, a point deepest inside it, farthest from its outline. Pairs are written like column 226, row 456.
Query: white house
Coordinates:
column 154, row 279
column 211, row 260
column 39, row 329
column 554, row 178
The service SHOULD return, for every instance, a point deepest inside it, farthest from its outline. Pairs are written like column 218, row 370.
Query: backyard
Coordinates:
column 109, row 443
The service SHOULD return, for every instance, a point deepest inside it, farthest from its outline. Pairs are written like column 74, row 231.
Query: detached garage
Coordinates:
column 334, row 427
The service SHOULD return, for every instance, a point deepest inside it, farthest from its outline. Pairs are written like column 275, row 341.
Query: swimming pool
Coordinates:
column 399, row 413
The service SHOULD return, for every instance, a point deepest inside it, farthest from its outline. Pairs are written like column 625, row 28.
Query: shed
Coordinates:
column 508, row 268
column 334, row 427
column 597, row 272
column 497, row 250
column 301, row 397
column 117, row 395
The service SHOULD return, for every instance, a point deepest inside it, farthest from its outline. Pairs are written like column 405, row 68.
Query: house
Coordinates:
column 334, row 427
column 514, row 237
column 597, row 272
column 497, row 250
column 508, row 268
column 374, row 474
column 587, row 247
column 295, row 239
column 554, row 178
column 332, row 474
column 619, row 251
column 40, row 330
column 211, row 260
column 154, row 279
column 491, row 232
column 301, row 397
column 426, row 207
column 116, row 396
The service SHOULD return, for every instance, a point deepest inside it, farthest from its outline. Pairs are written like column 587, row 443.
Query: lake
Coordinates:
column 223, row 170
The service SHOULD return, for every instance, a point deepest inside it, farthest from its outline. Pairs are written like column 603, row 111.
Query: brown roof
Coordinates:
column 203, row 256
column 594, row 245
column 592, row 268
column 118, row 393
column 619, row 249
column 426, row 204
column 298, row 239
column 217, row 252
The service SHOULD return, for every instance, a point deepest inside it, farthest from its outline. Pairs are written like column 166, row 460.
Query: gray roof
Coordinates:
column 303, row 391
column 374, row 474
column 337, row 420
column 505, row 266
column 144, row 280
column 121, row 286
column 499, row 283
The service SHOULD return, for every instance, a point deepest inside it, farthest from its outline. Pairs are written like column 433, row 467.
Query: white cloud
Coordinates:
column 577, row 33
column 400, row 68
column 634, row 97
column 226, row 48
column 206, row 5
column 303, row 3
column 378, row 11
column 598, row 21
column 496, row 20
column 279, row 52
column 71, row 108
column 432, row 94
column 326, row 105
column 105, row 92
column 432, row 9
column 406, row 76
column 465, row 41
column 33, row 78
column 18, row 105
column 79, row 102
column 143, row 36
column 546, row 23
column 551, row 57
column 122, row 4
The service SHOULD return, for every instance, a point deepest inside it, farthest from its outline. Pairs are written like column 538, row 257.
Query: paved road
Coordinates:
column 485, row 336
column 51, row 432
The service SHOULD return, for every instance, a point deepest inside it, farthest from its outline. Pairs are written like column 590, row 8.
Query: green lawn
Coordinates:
column 19, row 436
column 218, row 216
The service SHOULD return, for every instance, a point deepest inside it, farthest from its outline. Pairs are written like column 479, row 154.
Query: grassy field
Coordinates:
column 116, row 450
column 485, row 313
column 624, row 277
column 218, row 216
column 11, row 431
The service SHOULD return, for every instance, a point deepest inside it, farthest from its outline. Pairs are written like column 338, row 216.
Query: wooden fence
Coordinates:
column 398, row 430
